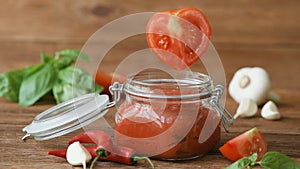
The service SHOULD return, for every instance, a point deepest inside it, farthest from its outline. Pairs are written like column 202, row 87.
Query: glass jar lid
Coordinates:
column 68, row 116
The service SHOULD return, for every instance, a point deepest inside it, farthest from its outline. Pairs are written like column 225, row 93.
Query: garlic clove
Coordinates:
column 77, row 154
column 270, row 111
column 247, row 108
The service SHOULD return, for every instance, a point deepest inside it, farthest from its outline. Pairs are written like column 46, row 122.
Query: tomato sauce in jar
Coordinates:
column 167, row 117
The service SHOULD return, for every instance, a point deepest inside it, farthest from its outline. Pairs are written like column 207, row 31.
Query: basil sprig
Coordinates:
column 54, row 75
column 271, row 160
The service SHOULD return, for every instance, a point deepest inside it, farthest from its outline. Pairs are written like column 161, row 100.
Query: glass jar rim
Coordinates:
column 145, row 83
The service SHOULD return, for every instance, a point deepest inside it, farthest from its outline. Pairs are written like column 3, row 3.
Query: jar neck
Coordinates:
column 156, row 84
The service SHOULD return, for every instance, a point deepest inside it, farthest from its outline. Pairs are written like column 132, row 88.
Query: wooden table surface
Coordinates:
column 245, row 33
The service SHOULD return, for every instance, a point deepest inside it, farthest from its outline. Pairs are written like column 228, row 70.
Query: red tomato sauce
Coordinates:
column 137, row 122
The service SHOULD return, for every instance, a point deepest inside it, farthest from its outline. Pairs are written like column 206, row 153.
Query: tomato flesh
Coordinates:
column 178, row 37
column 245, row 145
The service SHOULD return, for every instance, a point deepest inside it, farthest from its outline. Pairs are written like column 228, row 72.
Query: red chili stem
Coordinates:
column 126, row 155
column 137, row 158
column 101, row 153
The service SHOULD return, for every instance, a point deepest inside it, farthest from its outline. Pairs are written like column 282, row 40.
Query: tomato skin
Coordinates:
column 245, row 145
column 106, row 79
column 174, row 36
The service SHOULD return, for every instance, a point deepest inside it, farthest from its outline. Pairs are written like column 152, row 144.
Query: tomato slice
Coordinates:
column 178, row 37
column 245, row 145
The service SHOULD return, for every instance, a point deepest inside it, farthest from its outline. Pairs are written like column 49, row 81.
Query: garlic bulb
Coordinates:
column 253, row 83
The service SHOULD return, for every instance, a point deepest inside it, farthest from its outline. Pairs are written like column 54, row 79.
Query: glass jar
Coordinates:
column 168, row 117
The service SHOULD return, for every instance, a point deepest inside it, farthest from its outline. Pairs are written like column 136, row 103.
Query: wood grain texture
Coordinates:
column 234, row 22
column 245, row 33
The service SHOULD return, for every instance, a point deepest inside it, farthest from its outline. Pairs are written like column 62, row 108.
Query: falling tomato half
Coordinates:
column 178, row 37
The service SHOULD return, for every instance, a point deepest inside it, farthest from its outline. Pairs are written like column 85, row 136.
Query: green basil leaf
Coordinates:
column 74, row 82
column 240, row 164
column 33, row 82
column 67, row 57
column 10, row 83
column 29, row 70
column 73, row 53
column 46, row 58
column 98, row 89
column 76, row 76
column 63, row 92
column 79, row 78
column 38, row 81
column 253, row 158
column 276, row 160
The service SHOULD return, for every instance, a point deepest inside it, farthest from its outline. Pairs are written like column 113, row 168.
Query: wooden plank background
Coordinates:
column 245, row 33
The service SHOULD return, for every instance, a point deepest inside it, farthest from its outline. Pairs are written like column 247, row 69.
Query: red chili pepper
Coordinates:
column 63, row 152
column 121, row 154
column 59, row 153
column 104, row 151
column 100, row 138
column 126, row 155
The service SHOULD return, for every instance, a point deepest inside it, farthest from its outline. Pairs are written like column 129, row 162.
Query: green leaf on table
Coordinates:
column 10, row 83
column 253, row 159
column 63, row 92
column 240, row 164
column 73, row 82
column 66, row 57
column 46, row 58
column 246, row 162
column 69, row 53
column 29, row 70
column 79, row 78
column 55, row 74
column 37, row 81
column 276, row 160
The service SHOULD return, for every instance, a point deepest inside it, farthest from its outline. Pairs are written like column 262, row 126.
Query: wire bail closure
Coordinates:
column 226, row 116
column 115, row 91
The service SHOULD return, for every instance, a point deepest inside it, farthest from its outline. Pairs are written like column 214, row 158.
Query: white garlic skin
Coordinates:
column 256, row 86
column 77, row 154
column 270, row 111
